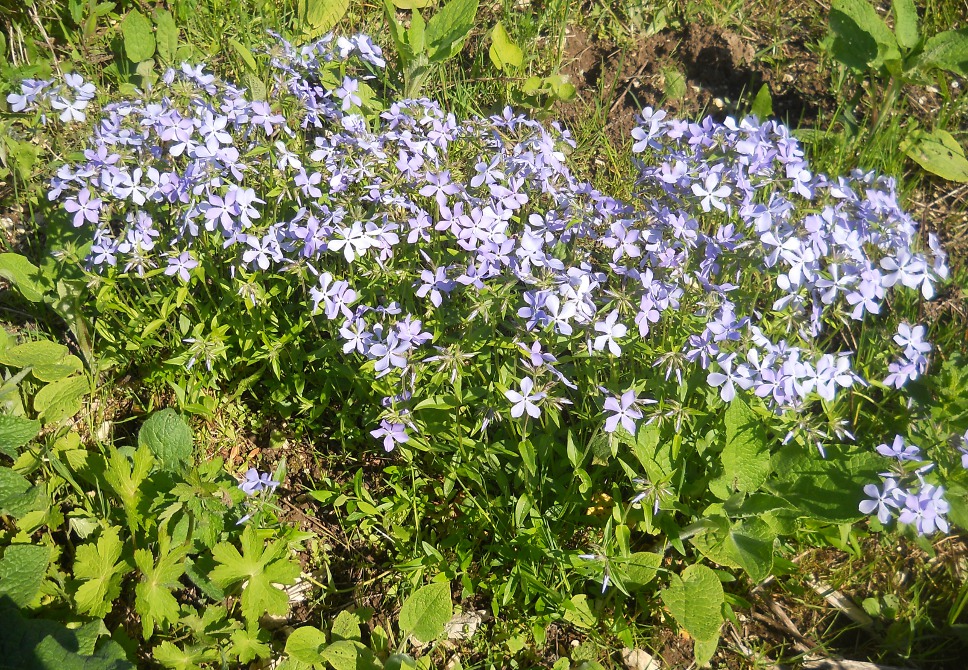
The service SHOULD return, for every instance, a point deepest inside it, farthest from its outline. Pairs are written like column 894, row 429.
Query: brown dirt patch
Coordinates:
column 720, row 70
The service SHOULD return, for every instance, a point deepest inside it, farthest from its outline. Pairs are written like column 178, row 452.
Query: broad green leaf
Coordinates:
column 22, row 571
column 937, row 152
column 762, row 104
column 15, row 432
column 168, row 437
column 411, row 4
column 416, row 36
column 703, row 650
column 861, row 38
column 449, row 27
column 61, row 399
column 947, row 50
column 828, row 489
column 33, row 354
column 427, row 611
column 56, row 371
column 17, row 496
column 139, row 38
column 905, row 23
column 23, row 275
column 153, row 594
column 695, row 601
column 321, row 15
column 503, row 51
column 245, row 54
column 261, row 566
column 166, row 35
column 746, row 456
column 641, row 568
column 305, row 644
column 348, row 655
column 652, row 453
column 746, row 544
column 346, row 626
column 100, row 567
column 674, row 83
column 580, row 613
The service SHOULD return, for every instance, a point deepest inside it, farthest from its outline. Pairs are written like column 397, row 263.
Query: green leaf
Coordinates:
column 61, row 399
column 245, row 54
column 704, row 650
column 449, row 27
column 653, row 454
column 23, row 275
column 747, row 544
column 937, row 152
column 828, row 489
column 33, row 354
column 503, row 51
column 947, row 50
column 153, row 594
column 695, row 601
column 746, row 457
column 861, row 38
column 139, row 39
column 22, row 571
column 674, row 86
column 166, row 34
column 318, row 16
column 184, row 658
column 305, row 644
column 348, row 655
column 100, row 567
column 262, row 566
column 52, row 372
column 15, row 432
column 17, row 496
column 346, row 627
column 905, row 23
column 169, row 437
column 579, row 612
column 427, row 611
column 642, row 568
column 762, row 107
column 411, row 4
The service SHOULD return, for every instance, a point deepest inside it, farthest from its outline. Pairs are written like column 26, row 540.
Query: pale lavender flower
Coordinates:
column 391, row 433
column 256, row 482
column 525, row 401
column 182, row 265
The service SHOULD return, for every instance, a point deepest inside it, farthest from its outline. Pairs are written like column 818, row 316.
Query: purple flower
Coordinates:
column 392, row 434
column 182, row 265
column 883, row 500
column 256, row 482
column 727, row 378
column 900, row 450
column 525, row 400
column 926, row 509
column 84, row 208
column 611, row 331
column 624, row 410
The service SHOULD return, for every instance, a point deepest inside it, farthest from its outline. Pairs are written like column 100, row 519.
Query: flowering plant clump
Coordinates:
column 480, row 300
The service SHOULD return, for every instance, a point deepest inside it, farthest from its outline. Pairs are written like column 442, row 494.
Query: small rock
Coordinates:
column 464, row 625
column 788, row 78
column 639, row 659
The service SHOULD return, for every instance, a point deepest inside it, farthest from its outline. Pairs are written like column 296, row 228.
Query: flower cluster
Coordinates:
column 68, row 99
column 733, row 256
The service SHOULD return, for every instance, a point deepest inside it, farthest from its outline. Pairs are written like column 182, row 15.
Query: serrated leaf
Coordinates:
column 169, row 437
column 139, row 38
column 22, row 571
column 305, row 644
column 17, row 496
column 746, row 456
column 61, row 399
column 861, row 38
column 937, row 152
column 100, row 567
column 23, row 275
column 153, row 594
column 746, row 544
column 15, row 432
column 449, row 27
column 947, row 50
column 905, row 23
column 261, row 566
column 695, row 601
column 427, row 611
column 166, row 35
column 828, row 489
column 503, row 51
column 189, row 657
column 32, row 354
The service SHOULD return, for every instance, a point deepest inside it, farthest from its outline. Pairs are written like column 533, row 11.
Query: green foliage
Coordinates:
column 22, row 571
column 695, row 599
column 139, row 36
column 425, row 613
column 503, row 52
column 319, row 16
column 100, row 567
column 168, row 437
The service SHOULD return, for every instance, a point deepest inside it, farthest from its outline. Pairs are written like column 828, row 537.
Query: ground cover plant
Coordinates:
column 608, row 410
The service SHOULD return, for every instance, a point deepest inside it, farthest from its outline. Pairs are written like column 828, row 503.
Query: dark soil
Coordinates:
column 721, row 75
